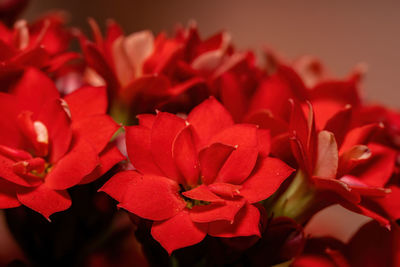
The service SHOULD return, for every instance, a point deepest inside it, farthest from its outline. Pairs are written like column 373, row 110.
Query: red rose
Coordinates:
column 197, row 176
column 49, row 144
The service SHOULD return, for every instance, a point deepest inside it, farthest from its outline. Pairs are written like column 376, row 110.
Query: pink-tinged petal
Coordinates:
column 9, row 110
column 109, row 157
column 208, row 119
column 326, row 165
column 138, row 47
column 351, row 158
column 242, row 135
column 96, row 129
column 225, row 190
column 87, row 101
column 119, row 184
column 308, row 260
column 45, row 200
column 73, row 167
column 212, row 159
column 225, row 211
column 178, row 232
column 339, row 124
column 165, row 129
column 153, row 197
column 377, row 170
column 202, row 193
column 246, row 223
column 185, row 156
column 359, row 136
column 146, row 120
column 58, row 125
column 391, row 203
column 264, row 142
column 238, row 166
column 337, row 187
column 367, row 212
column 8, row 196
column 7, row 173
column 34, row 89
column 268, row 175
column 364, row 189
column 138, row 145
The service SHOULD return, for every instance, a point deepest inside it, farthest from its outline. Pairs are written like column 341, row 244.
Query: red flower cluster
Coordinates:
column 197, row 176
column 49, row 144
column 237, row 155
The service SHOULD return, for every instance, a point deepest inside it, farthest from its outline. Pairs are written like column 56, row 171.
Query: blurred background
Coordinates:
column 340, row 33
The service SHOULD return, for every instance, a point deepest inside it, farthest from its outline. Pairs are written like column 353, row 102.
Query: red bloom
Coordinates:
column 146, row 72
column 48, row 144
column 42, row 44
column 197, row 176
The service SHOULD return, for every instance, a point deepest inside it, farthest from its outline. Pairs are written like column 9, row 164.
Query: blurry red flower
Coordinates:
column 197, row 176
column 49, row 144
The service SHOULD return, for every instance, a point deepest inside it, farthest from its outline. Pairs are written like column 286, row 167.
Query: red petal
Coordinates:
column 339, row 124
column 217, row 211
column 359, row 136
column 45, row 200
column 242, row 135
column 8, row 196
column 337, row 187
column 377, row 170
column 238, row 166
column 178, row 232
column 246, row 223
column 185, row 156
column 139, row 150
column 153, row 197
column 165, row 129
column 108, row 158
column 212, row 159
column 9, row 110
column 233, row 96
column 268, row 175
column 266, row 120
column 87, row 101
column 207, row 119
column 391, row 203
column 58, row 124
column 146, row 120
column 34, row 89
column 119, row 184
column 363, row 189
column 264, row 142
column 202, row 193
column 7, row 173
column 97, row 130
column 76, row 164
column 225, row 190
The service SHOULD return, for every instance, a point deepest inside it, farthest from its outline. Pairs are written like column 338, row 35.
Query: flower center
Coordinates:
column 190, row 203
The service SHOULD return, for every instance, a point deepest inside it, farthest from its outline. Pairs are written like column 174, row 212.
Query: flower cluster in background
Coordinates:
column 174, row 149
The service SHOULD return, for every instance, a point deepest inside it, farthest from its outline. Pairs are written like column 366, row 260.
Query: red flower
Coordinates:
column 41, row 44
column 197, row 176
column 170, row 73
column 343, row 161
column 48, row 144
